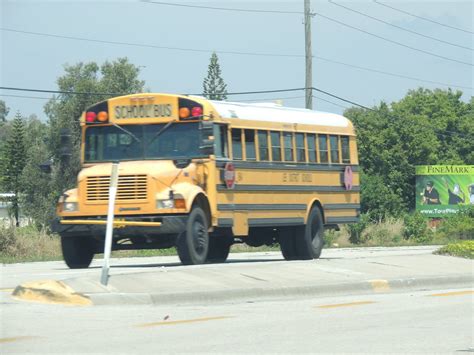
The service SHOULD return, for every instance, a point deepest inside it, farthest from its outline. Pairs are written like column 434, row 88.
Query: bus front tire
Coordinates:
column 78, row 252
column 310, row 241
column 193, row 243
column 219, row 247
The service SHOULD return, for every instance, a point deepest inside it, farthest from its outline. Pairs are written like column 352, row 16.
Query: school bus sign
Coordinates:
column 442, row 190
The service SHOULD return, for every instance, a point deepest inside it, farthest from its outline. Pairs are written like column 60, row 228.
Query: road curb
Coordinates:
column 50, row 291
column 260, row 294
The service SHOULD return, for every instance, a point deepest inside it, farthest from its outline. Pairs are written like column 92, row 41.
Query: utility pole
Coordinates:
column 308, row 55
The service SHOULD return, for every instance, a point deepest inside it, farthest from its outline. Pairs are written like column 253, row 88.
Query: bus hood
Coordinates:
column 164, row 172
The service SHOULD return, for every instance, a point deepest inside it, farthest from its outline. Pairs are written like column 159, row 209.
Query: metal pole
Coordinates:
column 308, row 55
column 110, row 224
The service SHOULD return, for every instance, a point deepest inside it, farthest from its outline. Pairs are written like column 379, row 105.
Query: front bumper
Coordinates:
column 124, row 226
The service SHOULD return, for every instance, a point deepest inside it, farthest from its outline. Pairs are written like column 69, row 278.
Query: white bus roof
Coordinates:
column 275, row 113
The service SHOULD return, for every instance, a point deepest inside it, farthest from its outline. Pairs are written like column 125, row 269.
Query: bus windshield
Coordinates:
column 109, row 143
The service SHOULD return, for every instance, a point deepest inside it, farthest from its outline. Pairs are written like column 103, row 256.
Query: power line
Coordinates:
column 61, row 92
column 399, row 27
column 392, row 74
column 273, row 98
column 235, row 93
column 118, row 94
column 223, row 8
column 392, row 41
column 239, row 53
column 323, row 16
column 445, row 132
column 27, row 97
column 150, row 45
column 328, row 101
column 422, row 18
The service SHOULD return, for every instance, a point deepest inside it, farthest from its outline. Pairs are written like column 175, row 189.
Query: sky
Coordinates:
column 36, row 61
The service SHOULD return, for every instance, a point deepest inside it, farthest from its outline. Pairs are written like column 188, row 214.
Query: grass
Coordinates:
column 27, row 244
column 463, row 249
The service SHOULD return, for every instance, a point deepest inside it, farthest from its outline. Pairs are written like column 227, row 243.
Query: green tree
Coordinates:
column 37, row 199
column 115, row 78
column 214, row 86
column 425, row 127
column 13, row 163
column 3, row 111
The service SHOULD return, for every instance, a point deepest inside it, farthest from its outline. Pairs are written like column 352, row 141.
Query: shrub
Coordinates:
column 416, row 228
column 356, row 229
column 459, row 226
column 463, row 249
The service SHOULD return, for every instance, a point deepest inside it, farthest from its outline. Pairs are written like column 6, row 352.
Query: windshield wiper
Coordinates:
column 126, row 131
column 157, row 134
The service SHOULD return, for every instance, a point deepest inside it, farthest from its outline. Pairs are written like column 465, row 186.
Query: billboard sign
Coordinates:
column 442, row 190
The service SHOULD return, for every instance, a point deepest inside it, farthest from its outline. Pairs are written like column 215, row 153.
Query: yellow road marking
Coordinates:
column 455, row 293
column 6, row 289
column 12, row 339
column 359, row 303
column 380, row 285
column 155, row 324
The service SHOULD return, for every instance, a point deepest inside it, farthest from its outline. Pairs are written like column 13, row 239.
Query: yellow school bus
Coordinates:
column 201, row 175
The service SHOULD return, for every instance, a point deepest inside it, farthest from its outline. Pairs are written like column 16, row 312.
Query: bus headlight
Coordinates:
column 70, row 206
column 165, row 203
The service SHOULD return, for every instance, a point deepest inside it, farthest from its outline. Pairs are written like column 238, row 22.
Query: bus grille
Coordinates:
column 130, row 187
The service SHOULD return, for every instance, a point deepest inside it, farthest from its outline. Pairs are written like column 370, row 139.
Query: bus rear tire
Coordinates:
column 310, row 241
column 287, row 238
column 219, row 247
column 193, row 243
column 78, row 252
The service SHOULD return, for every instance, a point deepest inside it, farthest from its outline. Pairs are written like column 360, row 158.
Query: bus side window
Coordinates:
column 220, row 139
column 300, row 151
column 288, row 145
column 334, row 143
column 346, row 156
column 237, row 144
column 263, row 145
column 250, row 153
column 323, row 148
column 311, row 147
column 276, row 146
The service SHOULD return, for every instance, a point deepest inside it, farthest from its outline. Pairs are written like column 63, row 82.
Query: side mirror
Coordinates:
column 66, row 150
column 45, row 167
column 207, row 137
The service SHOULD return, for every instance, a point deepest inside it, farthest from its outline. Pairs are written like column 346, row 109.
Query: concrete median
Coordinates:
column 338, row 272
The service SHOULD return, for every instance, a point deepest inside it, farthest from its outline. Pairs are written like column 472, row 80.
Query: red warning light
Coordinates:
column 90, row 116
column 196, row 111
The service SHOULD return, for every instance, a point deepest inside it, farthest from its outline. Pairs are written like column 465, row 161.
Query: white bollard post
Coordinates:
column 110, row 224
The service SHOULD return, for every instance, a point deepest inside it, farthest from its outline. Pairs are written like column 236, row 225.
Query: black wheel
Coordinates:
column 78, row 252
column 193, row 244
column 287, row 237
column 309, row 243
column 219, row 247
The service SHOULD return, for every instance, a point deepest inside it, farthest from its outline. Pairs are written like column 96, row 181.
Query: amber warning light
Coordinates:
column 92, row 117
column 189, row 110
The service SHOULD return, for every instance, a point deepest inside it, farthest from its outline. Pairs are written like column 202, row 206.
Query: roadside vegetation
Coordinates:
column 426, row 127
column 464, row 249
column 456, row 234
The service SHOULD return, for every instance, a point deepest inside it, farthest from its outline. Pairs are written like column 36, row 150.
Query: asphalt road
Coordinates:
column 426, row 322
